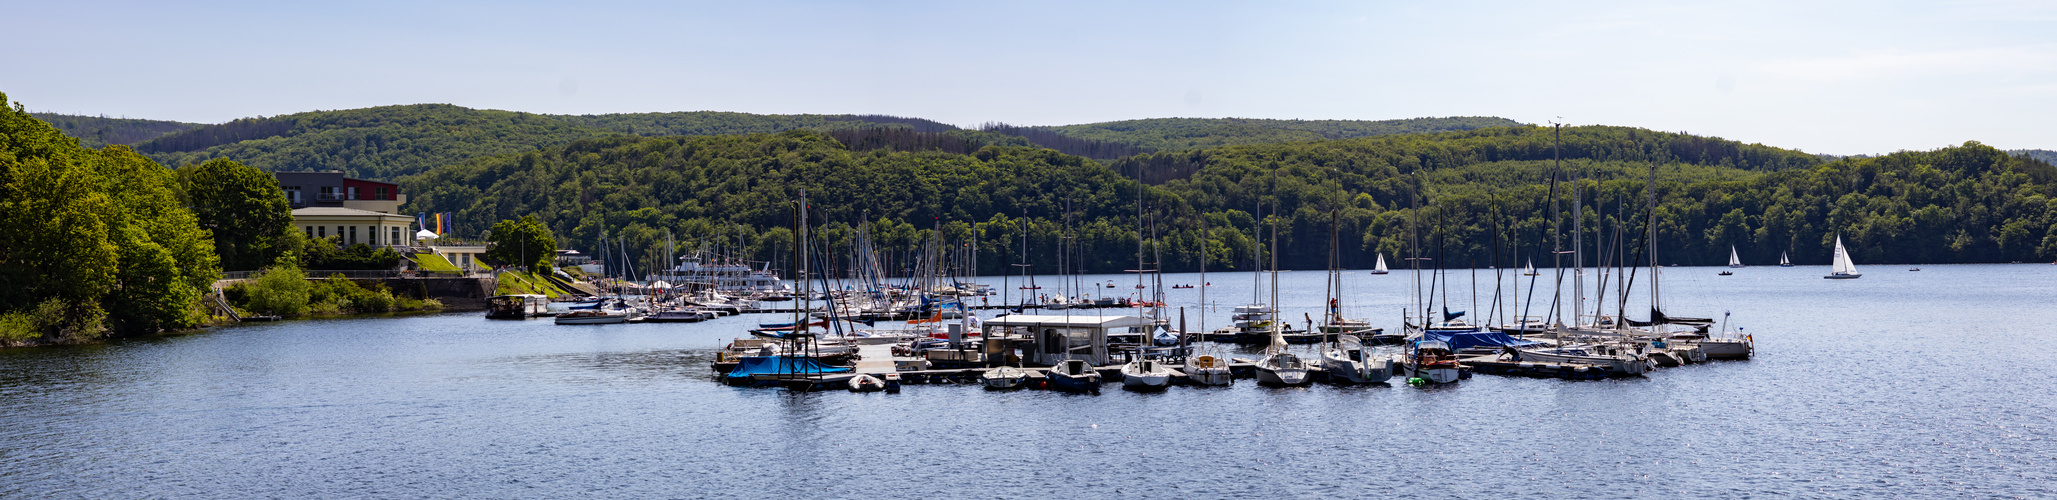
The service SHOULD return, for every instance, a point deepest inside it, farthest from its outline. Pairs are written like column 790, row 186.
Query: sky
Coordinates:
column 1822, row 77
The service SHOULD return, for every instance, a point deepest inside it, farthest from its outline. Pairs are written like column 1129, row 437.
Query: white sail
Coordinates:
column 1783, row 261
column 1381, row 263
column 1843, row 264
column 1733, row 261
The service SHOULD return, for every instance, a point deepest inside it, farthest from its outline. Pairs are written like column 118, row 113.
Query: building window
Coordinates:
column 328, row 193
column 353, row 192
column 395, row 231
column 382, row 194
column 321, row 231
column 373, row 236
column 310, row 231
column 293, row 194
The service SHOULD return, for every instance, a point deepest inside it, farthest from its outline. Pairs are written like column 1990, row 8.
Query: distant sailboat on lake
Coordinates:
column 1733, row 261
column 1783, row 261
column 1381, row 268
column 1843, row 268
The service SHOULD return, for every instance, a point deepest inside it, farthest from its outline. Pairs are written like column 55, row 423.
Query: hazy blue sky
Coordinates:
column 1825, row 77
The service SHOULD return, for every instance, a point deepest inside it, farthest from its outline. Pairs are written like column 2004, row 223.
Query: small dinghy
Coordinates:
column 866, row 383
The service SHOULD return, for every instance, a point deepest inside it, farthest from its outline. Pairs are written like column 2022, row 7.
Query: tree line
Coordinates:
column 1962, row 204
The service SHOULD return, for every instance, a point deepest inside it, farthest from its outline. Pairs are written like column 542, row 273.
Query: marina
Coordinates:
column 474, row 403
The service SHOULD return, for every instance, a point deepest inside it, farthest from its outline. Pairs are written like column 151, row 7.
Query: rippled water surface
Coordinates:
column 1930, row 383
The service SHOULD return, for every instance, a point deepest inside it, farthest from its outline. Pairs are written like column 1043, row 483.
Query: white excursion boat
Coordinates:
column 1145, row 374
column 1843, row 268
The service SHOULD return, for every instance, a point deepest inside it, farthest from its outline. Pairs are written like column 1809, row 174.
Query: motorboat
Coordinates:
column 1431, row 361
column 679, row 315
column 1616, row 360
column 1074, row 375
column 1348, row 361
column 1005, row 377
column 866, row 383
column 593, row 317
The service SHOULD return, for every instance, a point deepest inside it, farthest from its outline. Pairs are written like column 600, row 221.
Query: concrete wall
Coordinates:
column 457, row 294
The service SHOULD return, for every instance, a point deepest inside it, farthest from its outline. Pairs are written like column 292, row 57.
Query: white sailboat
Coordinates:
column 1145, row 374
column 1843, row 268
column 1381, row 268
column 1783, row 261
column 1733, row 261
column 1349, row 361
column 1531, row 271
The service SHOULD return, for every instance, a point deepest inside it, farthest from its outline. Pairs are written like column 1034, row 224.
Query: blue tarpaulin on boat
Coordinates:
column 752, row 365
column 1465, row 340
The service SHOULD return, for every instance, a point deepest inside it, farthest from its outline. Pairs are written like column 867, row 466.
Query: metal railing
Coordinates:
column 361, row 274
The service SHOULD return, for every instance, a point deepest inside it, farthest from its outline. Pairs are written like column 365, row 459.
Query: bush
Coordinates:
column 53, row 319
column 281, row 290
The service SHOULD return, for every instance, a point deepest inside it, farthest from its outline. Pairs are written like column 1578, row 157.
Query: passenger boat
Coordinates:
column 518, row 306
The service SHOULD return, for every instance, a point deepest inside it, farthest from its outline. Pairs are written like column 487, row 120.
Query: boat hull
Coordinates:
column 1843, row 276
column 1210, row 376
column 1145, row 381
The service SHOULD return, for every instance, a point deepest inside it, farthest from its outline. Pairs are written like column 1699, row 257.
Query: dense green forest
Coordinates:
column 97, row 131
column 1963, row 204
column 93, row 242
column 392, row 141
column 1179, row 134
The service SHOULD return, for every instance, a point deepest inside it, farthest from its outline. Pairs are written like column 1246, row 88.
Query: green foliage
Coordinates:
column 516, row 282
column 329, row 254
column 1963, row 204
column 513, row 241
column 433, row 262
column 101, row 231
column 99, row 131
column 280, row 290
column 1179, row 134
column 244, row 209
column 392, row 141
column 285, row 291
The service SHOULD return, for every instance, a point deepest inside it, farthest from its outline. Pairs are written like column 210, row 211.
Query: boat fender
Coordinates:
column 1415, row 381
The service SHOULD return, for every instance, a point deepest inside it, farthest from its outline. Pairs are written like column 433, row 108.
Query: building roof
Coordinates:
column 341, row 212
column 1078, row 320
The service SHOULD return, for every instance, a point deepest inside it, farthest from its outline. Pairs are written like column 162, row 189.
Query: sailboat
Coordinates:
column 1733, row 261
column 1279, row 367
column 1783, row 261
column 1145, row 374
column 1004, row 377
column 1348, row 360
column 1843, row 268
column 1381, row 268
column 1210, row 367
column 1531, row 268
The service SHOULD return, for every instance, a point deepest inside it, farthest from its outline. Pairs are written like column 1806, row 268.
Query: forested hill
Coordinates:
column 97, row 131
column 392, row 141
column 1969, row 203
column 1179, row 134
column 2045, row 155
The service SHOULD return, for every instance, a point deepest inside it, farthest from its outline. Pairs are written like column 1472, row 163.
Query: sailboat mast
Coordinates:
column 1578, row 261
column 1654, row 295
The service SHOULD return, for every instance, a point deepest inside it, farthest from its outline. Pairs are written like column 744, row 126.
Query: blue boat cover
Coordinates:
column 751, row 365
column 1460, row 340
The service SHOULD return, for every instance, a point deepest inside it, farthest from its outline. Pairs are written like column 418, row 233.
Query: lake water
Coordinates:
column 1941, row 382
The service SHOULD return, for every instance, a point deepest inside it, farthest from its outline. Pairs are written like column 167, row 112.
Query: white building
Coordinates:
column 355, row 226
